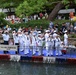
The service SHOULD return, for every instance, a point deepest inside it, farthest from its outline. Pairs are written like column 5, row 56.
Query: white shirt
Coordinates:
column 46, row 35
column 16, row 39
column 34, row 40
column 5, row 37
column 27, row 40
column 40, row 41
column 21, row 40
column 65, row 37
column 54, row 35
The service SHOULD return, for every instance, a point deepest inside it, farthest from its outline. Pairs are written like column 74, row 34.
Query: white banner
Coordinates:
column 64, row 11
column 8, row 47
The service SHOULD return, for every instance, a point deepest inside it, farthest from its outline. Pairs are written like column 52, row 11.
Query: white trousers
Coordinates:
column 34, row 49
column 21, row 47
column 26, row 49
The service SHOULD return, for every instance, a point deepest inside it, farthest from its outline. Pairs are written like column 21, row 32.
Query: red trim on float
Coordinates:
column 71, row 60
column 4, row 57
column 37, row 58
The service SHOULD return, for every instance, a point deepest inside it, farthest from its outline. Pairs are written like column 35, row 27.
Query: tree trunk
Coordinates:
column 54, row 12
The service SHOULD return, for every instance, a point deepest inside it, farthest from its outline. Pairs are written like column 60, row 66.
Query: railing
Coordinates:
column 38, row 51
column 71, row 51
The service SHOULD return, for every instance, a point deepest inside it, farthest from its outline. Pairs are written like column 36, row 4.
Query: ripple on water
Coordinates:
column 15, row 68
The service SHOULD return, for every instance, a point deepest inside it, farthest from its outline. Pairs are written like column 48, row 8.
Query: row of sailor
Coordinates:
column 36, row 40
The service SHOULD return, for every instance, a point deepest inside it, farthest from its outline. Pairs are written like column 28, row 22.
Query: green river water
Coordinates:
column 23, row 68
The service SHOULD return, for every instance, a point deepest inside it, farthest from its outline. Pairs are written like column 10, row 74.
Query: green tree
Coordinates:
column 9, row 4
column 2, row 20
column 59, row 5
column 29, row 7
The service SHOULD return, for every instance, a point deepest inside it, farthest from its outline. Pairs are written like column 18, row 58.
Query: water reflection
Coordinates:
column 14, row 68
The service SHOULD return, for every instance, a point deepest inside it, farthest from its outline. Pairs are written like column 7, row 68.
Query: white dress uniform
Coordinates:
column 39, row 42
column 21, row 43
column 55, row 34
column 34, row 43
column 65, row 39
column 55, row 45
column 58, row 42
column 16, row 39
column 47, row 40
column 51, row 46
column 26, row 44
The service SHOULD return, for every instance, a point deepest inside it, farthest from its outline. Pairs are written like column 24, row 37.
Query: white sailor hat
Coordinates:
column 47, row 31
column 14, row 31
column 62, row 42
column 39, row 32
column 54, row 31
column 65, row 31
column 58, row 35
column 6, row 31
column 19, row 30
column 26, row 32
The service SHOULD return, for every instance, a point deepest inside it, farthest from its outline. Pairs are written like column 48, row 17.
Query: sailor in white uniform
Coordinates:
column 26, row 43
column 13, row 33
column 40, row 42
column 34, row 43
column 58, row 42
column 54, row 34
column 16, row 39
column 51, row 45
column 47, row 40
column 21, row 41
column 66, row 38
column 55, row 42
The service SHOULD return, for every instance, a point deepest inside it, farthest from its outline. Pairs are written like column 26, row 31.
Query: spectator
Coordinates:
column 63, row 27
column 71, row 28
column 41, row 15
column 51, row 24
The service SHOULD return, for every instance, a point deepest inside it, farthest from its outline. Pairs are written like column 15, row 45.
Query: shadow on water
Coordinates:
column 22, row 68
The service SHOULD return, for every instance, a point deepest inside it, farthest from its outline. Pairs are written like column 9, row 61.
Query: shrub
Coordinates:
column 3, row 22
column 44, row 23
column 33, row 23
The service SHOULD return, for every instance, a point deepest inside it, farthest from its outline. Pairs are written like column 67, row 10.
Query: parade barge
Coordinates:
column 11, row 53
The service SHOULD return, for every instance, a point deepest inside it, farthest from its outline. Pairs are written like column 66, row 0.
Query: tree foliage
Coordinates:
column 29, row 7
column 59, row 5
column 10, row 4
column 2, row 20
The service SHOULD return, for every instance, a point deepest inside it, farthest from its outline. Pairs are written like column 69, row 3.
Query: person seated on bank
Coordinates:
column 63, row 48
